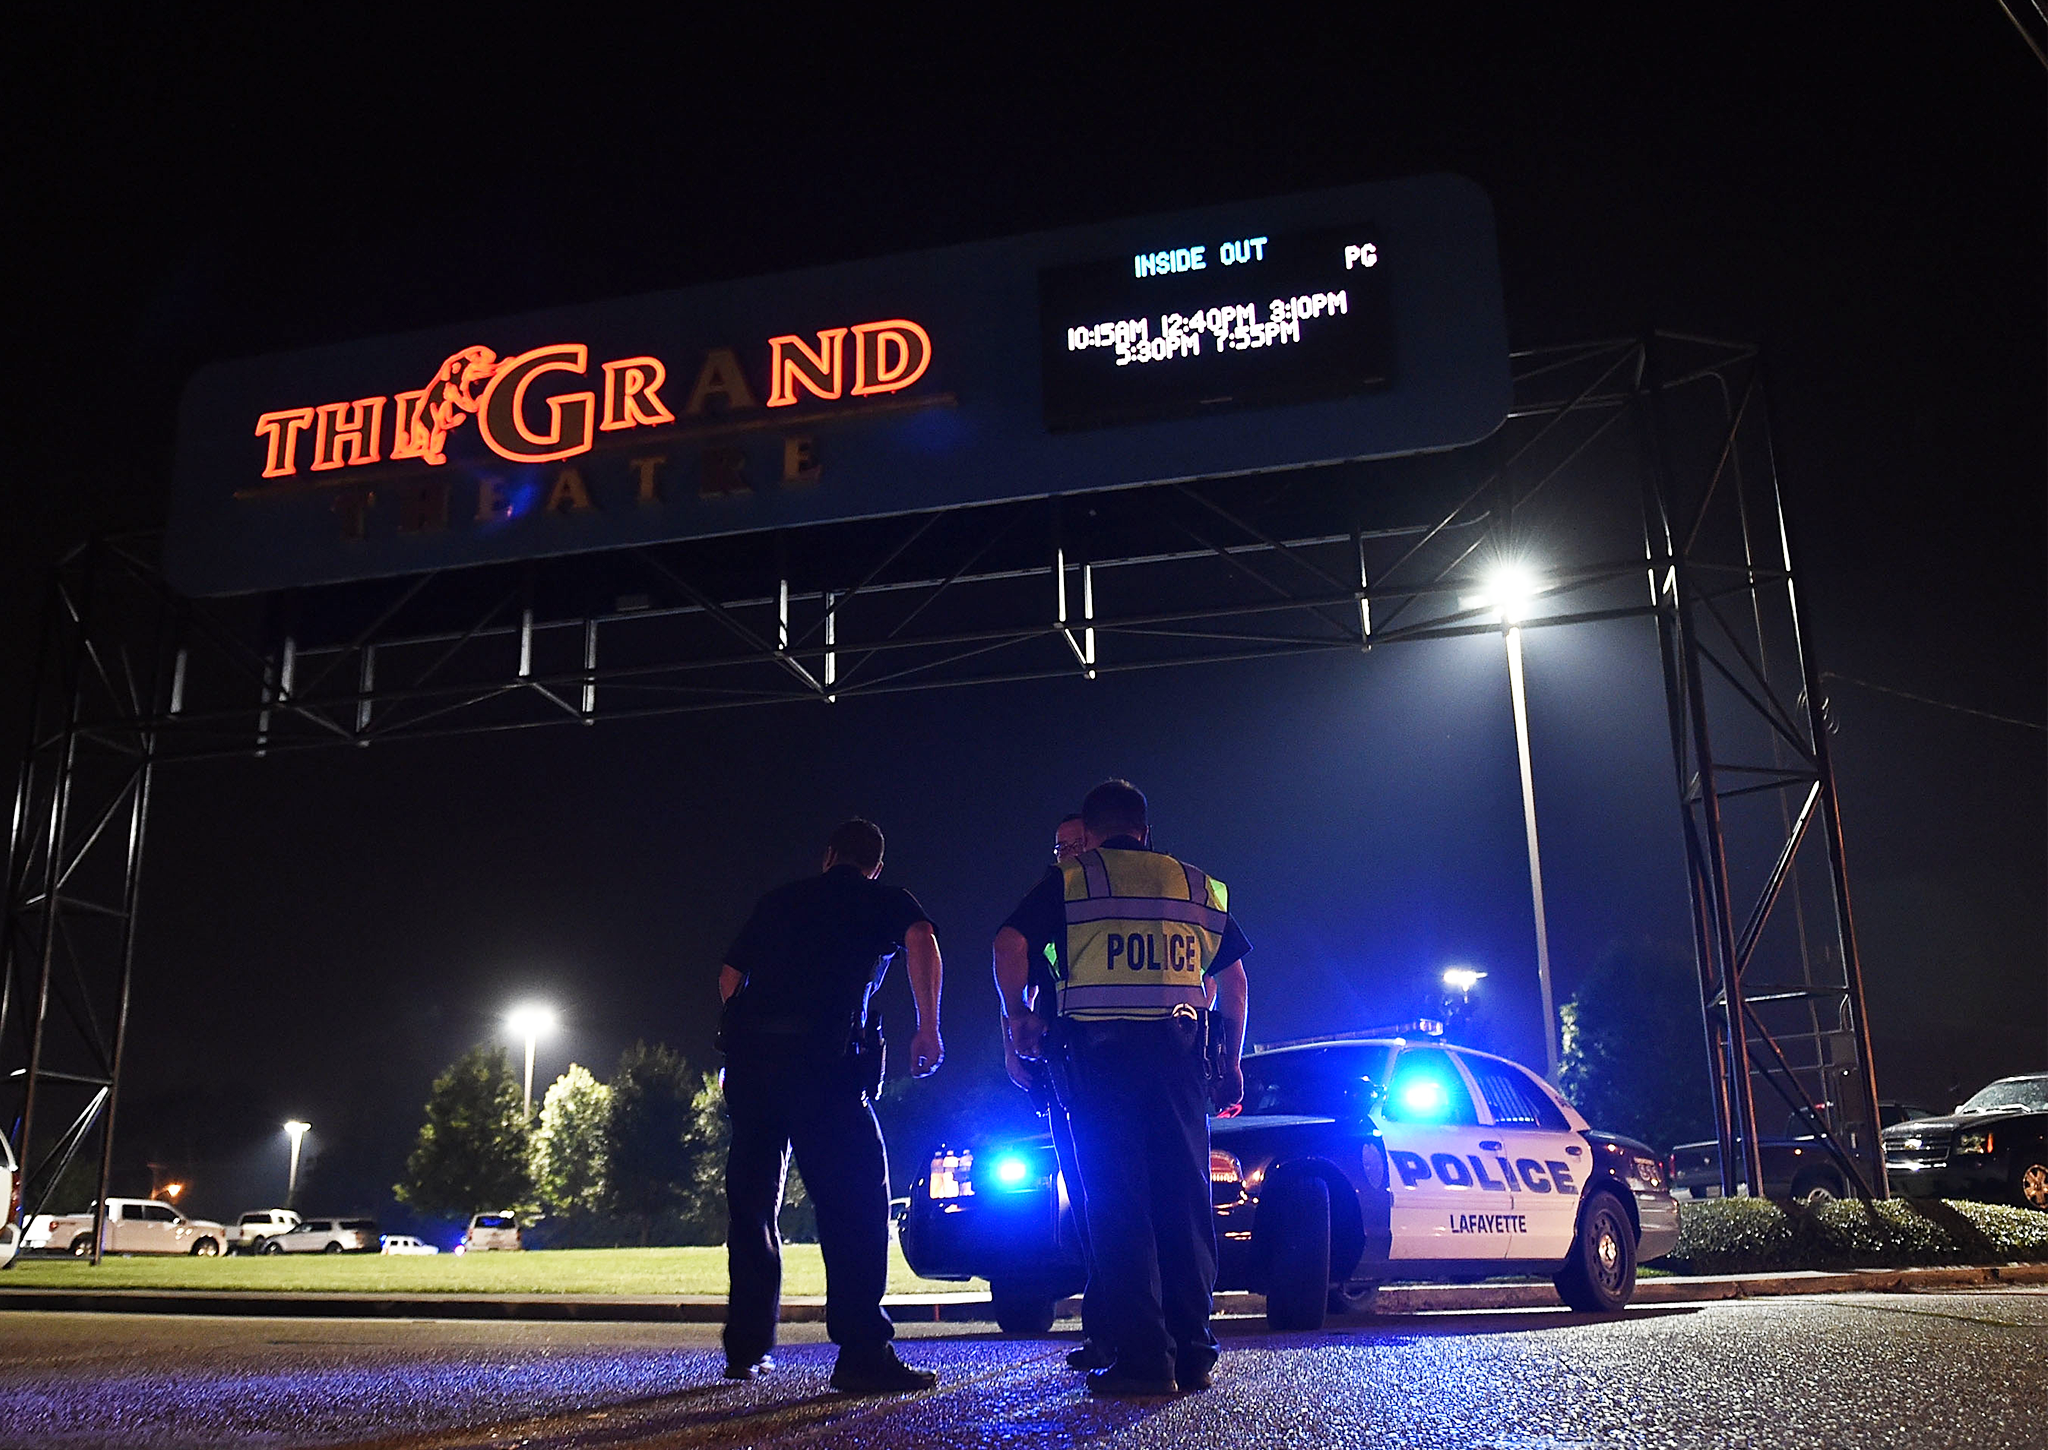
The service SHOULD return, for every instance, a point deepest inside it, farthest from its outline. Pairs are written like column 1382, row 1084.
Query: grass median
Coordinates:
column 657, row 1272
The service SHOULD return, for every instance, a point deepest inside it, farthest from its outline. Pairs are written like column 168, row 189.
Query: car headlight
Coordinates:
column 1645, row 1173
column 1974, row 1140
column 1225, row 1168
column 952, row 1174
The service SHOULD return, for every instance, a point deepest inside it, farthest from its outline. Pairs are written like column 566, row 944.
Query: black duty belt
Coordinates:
column 782, row 1027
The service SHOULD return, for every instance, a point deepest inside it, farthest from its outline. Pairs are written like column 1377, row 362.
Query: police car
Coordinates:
column 1352, row 1162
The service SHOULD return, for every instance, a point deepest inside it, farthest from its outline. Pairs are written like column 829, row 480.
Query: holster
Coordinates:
column 868, row 1059
column 1216, row 1033
column 1057, row 1063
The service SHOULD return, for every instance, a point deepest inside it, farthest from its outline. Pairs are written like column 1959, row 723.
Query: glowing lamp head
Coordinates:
column 1423, row 1097
column 1508, row 588
column 297, row 1129
column 1011, row 1170
column 172, row 1190
column 1462, row 979
column 531, row 1019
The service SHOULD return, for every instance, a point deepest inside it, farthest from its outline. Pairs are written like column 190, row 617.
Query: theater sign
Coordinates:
column 1356, row 323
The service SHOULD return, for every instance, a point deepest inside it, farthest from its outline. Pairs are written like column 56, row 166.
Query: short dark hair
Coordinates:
column 857, row 842
column 1071, row 816
column 1114, row 808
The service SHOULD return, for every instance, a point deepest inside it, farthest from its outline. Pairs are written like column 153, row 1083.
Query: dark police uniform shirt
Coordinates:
column 1041, row 919
column 814, row 949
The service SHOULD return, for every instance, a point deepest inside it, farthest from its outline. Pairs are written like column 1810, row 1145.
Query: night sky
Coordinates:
column 323, row 933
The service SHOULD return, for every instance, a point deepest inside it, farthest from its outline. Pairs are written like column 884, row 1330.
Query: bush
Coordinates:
column 1754, row 1235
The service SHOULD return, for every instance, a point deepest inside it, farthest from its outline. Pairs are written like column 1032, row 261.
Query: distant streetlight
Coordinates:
column 1457, row 998
column 1462, row 979
column 530, row 1020
column 296, row 1131
column 172, row 1190
column 1509, row 589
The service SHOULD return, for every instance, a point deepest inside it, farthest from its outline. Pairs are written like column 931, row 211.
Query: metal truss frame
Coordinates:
column 1637, row 472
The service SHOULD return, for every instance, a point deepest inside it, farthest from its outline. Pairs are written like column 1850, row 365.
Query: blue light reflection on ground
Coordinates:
column 1663, row 1378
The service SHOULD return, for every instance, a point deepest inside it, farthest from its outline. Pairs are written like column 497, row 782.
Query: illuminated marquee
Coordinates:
column 1358, row 322
column 505, row 396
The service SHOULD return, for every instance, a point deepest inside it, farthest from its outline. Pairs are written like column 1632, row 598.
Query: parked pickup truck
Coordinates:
column 134, row 1226
column 1797, row 1166
column 258, row 1226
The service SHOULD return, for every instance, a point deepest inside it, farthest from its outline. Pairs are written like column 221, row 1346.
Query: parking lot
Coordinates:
column 1726, row 1374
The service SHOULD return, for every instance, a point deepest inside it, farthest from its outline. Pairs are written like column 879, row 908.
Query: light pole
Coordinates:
column 1509, row 590
column 296, row 1131
column 530, row 1020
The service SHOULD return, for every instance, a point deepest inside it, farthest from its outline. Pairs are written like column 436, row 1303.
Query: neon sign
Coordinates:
column 528, row 411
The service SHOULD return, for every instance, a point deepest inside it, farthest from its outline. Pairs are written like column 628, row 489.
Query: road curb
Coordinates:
column 969, row 1308
column 1687, row 1289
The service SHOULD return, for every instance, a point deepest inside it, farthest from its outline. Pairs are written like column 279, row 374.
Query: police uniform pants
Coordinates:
column 1141, row 1128
column 1059, row 1118
column 779, row 1098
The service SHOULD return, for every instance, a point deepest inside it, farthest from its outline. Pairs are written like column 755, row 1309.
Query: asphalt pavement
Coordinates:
column 1955, row 1368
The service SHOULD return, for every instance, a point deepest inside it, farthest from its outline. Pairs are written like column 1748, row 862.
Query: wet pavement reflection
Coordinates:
column 1853, row 1371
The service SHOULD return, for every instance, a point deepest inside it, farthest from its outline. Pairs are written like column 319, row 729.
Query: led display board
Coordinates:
column 1358, row 322
column 1241, row 323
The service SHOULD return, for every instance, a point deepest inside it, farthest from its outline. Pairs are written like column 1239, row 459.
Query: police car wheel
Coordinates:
column 1298, row 1273
column 1599, row 1276
column 1021, row 1310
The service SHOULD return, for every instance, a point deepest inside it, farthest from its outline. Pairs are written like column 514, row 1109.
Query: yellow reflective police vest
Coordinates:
column 1142, row 933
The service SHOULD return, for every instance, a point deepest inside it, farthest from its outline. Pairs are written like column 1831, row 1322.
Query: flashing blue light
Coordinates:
column 1011, row 1170
column 1423, row 1097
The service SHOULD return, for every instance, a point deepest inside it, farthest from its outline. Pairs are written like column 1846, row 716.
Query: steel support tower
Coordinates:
column 1636, row 475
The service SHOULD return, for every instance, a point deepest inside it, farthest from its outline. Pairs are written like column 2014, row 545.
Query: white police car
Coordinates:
column 1354, row 1161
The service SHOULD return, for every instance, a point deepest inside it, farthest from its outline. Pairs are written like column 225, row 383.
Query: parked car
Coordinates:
column 249, row 1232
column 134, row 1226
column 489, row 1233
column 10, row 1195
column 1992, row 1147
column 325, row 1236
column 405, row 1244
column 1797, row 1165
column 1353, row 1162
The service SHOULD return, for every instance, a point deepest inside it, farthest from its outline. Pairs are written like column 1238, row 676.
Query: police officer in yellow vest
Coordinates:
column 1139, row 940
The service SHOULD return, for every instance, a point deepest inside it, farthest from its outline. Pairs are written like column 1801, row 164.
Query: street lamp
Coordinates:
column 530, row 1020
column 1457, row 999
column 1462, row 979
column 297, row 1131
column 1509, row 589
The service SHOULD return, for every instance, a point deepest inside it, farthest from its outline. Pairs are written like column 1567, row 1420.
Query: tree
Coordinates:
column 703, row 1198
column 569, row 1159
column 471, row 1154
column 651, row 1153
column 1632, row 1052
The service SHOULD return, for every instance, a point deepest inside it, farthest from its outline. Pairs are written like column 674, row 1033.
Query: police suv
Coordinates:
column 1353, row 1161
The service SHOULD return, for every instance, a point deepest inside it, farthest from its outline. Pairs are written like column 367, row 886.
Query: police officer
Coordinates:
column 801, row 1060
column 1052, row 1094
column 1137, row 937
